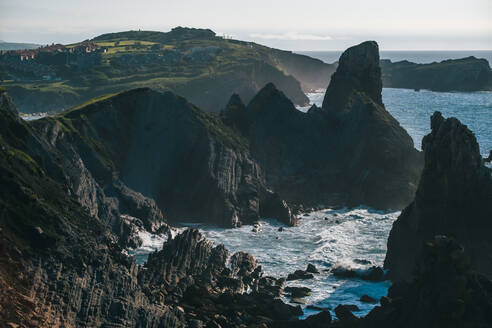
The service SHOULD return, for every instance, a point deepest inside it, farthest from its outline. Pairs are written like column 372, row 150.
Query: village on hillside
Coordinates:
column 36, row 64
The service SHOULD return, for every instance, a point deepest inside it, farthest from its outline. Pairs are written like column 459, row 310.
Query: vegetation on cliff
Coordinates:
column 194, row 63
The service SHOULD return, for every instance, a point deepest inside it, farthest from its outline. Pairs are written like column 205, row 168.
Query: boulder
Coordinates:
column 311, row 268
column 300, row 275
column 345, row 315
column 298, row 292
column 374, row 273
column 367, row 299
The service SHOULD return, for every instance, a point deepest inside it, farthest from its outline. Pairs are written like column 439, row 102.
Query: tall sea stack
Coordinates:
column 358, row 71
column 380, row 164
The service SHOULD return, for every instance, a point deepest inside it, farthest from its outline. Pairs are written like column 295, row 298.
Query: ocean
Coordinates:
column 420, row 57
column 412, row 109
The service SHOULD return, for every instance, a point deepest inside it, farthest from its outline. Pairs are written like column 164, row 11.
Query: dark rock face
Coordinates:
column 454, row 198
column 350, row 152
column 445, row 292
column 60, row 266
column 382, row 161
column 158, row 147
column 466, row 74
column 358, row 71
column 235, row 115
column 345, row 315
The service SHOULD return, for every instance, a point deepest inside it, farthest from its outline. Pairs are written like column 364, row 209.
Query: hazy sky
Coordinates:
column 287, row 24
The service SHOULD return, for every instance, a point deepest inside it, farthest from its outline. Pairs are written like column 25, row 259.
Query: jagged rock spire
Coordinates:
column 234, row 114
column 454, row 198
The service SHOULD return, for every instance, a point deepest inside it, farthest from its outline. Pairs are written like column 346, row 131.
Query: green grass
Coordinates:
column 111, row 76
column 89, row 102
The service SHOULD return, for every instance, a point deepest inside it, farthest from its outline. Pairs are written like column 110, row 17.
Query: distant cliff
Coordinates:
column 193, row 63
column 466, row 74
column 454, row 198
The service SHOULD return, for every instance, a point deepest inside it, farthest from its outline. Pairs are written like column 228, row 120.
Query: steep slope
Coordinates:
column 51, row 250
column 466, row 74
column 350, row 152
column 454, row 198
column 157, row 144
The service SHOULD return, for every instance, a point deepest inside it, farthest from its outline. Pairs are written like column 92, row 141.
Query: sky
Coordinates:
column 293, row 25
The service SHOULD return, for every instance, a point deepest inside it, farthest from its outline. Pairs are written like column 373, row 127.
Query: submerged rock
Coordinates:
column 367, row 299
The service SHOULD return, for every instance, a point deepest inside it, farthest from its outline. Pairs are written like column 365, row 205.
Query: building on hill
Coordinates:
column 53, row 48
column 86, row 47
column 27, row 55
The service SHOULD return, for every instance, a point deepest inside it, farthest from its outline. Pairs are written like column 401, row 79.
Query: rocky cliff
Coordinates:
column 454, row 198
column 358, row 71
column 466, row 74
column 160, row 148
column 60, row 266
column 350, row 152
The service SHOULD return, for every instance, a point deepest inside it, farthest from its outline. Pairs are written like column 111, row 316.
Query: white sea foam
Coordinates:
column 151, row 243
column 324, row 238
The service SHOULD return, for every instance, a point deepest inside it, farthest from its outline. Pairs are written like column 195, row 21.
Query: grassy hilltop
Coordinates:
column 194, row 63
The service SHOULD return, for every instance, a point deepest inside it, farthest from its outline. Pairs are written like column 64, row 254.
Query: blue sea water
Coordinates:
column 420, row 57
column 326, row 238
column 414, row 108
